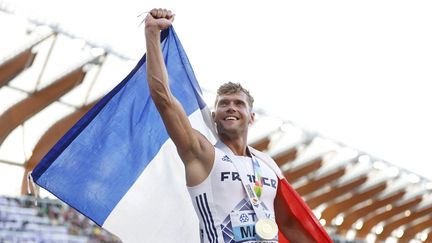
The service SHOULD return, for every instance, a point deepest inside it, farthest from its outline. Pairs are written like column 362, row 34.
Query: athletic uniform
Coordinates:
column 220, row 201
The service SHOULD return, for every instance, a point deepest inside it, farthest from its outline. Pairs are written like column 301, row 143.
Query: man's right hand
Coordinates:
column 159, row 19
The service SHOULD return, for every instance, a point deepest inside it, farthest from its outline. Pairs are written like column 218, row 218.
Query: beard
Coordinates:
column 230, row 131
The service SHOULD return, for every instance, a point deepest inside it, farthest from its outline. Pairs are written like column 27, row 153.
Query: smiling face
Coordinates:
column 232, row 115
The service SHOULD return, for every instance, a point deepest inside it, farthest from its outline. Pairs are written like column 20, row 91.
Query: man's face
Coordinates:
column 232, row 114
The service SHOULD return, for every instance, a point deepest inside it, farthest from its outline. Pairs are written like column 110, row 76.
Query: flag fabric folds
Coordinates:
column 118, row 166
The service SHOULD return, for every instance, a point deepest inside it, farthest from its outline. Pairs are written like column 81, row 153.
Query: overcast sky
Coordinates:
column 354, row 71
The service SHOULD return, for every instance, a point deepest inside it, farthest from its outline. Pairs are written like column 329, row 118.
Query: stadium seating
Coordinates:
column 27, row 219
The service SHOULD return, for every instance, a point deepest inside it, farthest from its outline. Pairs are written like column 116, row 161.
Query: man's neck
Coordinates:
column 238, row 146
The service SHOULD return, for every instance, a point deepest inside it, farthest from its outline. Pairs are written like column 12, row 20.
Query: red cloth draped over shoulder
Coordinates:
column 294, row 206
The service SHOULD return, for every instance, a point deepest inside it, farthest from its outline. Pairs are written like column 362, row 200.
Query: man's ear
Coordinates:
column 252, row 118
column 213, row 116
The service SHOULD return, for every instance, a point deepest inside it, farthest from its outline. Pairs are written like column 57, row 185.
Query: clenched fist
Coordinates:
column 159, row 19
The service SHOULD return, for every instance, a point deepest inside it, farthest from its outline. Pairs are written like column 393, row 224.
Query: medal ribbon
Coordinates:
column 258, row 187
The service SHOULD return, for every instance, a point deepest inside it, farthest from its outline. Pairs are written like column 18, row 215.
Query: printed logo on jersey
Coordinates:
column 226, row 159
column 235, row 176
column 243, row 218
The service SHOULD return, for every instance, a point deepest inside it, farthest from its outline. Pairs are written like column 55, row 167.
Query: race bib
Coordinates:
column 243, row 226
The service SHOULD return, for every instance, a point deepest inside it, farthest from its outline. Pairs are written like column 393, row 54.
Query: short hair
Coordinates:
column 234, row 88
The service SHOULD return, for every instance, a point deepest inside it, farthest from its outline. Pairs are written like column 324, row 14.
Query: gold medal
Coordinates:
column 266, row 229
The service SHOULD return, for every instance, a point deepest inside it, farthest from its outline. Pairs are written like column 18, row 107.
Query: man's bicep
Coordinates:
column 189, row 142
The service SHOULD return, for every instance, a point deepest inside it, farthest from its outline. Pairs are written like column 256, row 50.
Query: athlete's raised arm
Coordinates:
column 194, row 149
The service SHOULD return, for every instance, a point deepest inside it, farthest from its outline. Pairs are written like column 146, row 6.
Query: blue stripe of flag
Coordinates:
column 100, row 157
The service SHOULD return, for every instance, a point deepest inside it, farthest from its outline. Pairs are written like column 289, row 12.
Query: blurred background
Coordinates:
column 341, row 90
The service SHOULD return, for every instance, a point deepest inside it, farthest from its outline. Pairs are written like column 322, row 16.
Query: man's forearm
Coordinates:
column 157, row 76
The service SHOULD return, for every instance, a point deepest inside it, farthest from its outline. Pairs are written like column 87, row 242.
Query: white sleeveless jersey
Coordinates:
column 221, row 197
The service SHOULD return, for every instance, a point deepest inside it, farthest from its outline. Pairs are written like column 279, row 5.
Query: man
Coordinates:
column 214, row 172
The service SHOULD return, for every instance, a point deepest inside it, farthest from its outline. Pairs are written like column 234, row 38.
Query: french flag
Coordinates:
column 118, row 166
